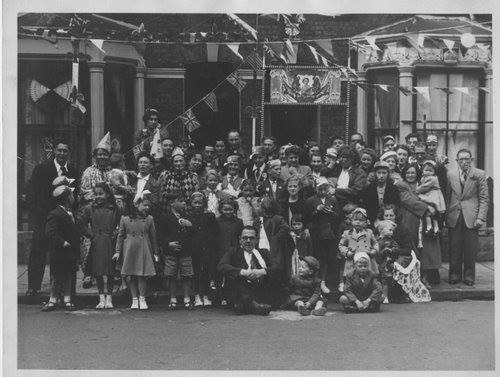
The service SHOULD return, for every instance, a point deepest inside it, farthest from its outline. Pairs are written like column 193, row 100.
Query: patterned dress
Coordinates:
column 183, row 181
column 92, row 176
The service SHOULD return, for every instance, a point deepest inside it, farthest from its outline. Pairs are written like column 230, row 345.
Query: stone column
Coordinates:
column 362, row 107
column 139, row 98
column 488, row 127
column 405, row 102
column 96, row 70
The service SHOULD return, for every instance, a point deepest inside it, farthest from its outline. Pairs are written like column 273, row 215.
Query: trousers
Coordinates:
column 463, row 246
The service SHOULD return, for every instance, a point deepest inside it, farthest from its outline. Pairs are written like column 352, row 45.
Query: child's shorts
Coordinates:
column 182, row 266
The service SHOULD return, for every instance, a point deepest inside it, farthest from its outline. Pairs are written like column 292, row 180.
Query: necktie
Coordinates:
column 64, row 171
column 253, row 262
column 464, row 178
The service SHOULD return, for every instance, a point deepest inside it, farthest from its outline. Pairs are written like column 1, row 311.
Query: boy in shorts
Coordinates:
column 176, row 236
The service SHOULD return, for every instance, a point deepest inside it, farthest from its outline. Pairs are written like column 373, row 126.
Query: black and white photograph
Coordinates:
column 251, row 191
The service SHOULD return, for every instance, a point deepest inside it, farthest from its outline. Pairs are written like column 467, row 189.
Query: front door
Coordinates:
column 293, row 123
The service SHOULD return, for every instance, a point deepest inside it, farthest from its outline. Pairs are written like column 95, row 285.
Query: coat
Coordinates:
column 357, row 182
column 363, row 241
column 233, row 261
column 322, row 225
column 306, row 290
column 357, row 289
column 203, row 237
column 277, row 232
column 152, row 185
column 61, row 227
column 265, row 188
column 39, row 191
column 170, row 230
column 471, row 202
column 100, row 225
column 369, row 199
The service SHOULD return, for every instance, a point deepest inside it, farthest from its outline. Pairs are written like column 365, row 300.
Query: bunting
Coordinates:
column 406, row 90
column 462, row 89
column 327, row 46
column 290, row 52
column 384, row 87
column 234, row 48
column 189, row 120
column 211, row 100
column 98, row 43
column 371, row 41
column 449, row 43
column 255, row 61
column 156, row 149
column 235, row 80
column 446, row 90
column 137, row 149
column 424, row 92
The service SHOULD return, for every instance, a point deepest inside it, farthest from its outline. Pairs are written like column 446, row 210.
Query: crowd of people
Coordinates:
column 278, row 228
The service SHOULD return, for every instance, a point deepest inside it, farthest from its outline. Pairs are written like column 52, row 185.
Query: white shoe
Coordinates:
column 142, row 303
column 324, row 288
column 206, row 301
column 341, row 287
column 102, row 303
column 386, row 301
column 135, row 304
column 109, row 302
column 223, row 303
column 197, row 301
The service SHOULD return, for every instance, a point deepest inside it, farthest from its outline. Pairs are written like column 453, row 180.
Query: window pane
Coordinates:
column 463, row 106
column 458, row 140
column 385, row 103
column 436, row 108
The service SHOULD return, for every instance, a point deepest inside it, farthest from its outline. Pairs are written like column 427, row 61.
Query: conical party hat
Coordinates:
column 105, row 143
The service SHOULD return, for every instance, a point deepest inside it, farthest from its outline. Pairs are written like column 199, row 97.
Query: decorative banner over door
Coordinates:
column 305, row 86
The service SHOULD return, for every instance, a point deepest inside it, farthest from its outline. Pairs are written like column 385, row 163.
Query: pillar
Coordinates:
column 362, row 107
column 96, row 70
column 139, row 98
column 405, row 103
column 488, row 127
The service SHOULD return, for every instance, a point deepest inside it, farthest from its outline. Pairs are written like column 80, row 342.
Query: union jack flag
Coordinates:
column 255, row 60
column 189, row 120
column 137, row 149
column 235, row 80
column 211, row 100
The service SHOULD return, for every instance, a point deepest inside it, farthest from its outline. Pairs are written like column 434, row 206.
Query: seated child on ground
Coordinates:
column 362, row 291
column 305, row 288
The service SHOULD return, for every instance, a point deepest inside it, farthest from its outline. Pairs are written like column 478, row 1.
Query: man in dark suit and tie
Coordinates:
column 252, row 276
column 273, row 186
column 467, row 207
column 40, row 202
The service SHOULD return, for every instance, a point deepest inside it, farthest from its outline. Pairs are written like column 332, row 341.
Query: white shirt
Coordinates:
column 141, row 182
column 248, row 257
column 343, row 181
column 58, row 167
column 263, row 240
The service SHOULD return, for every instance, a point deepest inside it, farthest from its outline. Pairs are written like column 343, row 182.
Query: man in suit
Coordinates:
column 255, row 171
column 467, row 207
column 144, row 181
column 273, row 186
column 351, row 179
column 251, row 275
column 40, row 202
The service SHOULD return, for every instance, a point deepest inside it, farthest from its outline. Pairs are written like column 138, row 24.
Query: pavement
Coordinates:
column 482, row 290
column 426, row 336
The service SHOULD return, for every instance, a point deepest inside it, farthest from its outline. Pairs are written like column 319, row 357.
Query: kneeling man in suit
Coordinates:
column 252, row 276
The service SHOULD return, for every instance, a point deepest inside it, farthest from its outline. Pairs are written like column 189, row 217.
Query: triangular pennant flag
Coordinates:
column 420, row 40
column 156, row 149
column 234, row 48
column 352, row 71
column 324, row 60
column 314, row 52
column 192, row 37
column 362, row 85
column 463, row 49
column 255, row 60
column 275, row 50
column 384, row 87
column 64, row 90
column 486, row 90
column 189, row 120
column 462, row 89
column 164, row 132
column 137, row 149
column 371, row 41
column 235, row 80
column 446, row 90
column 243, row 25
column 406, row 90
column 413, row 39
column 212, row 52
column 105, row 143
column 483, row 46
column 424, row 91
column 326, row 45
column 211, row 100
column 37, row 90
column 344, row 72
column 290, row 52
column 449, row 43
column 98, row 43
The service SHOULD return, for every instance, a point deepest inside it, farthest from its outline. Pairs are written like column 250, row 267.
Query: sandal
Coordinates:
column 49, row 307
column 69, row 306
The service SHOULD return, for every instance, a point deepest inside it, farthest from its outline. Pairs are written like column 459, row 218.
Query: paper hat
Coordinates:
column 177, row 151
column 258, row 150
column 59, row 190
column 387, row 138
column 380, row 165
column 361, row 255
column 234, row 158
column 429, row 162
column 331, row 152
column 388, row 154
column 105, row 143
column 360, row 210
column 432, row 139
column 273, row 163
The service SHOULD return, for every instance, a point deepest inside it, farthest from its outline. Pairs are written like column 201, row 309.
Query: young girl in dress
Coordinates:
column 204, row 261
column 229, row 228
column 358, row 239
column 429, row 192
column 247, row 203
column 302, row 245
column 100, row 220
column 137, row 242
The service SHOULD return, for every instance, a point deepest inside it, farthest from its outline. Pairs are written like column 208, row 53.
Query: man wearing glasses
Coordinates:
column 467, row 208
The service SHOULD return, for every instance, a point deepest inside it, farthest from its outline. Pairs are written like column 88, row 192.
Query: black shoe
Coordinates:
column 260, row 309
column 469, row 283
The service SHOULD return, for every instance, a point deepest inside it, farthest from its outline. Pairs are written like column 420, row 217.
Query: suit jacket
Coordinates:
column 266, row 188
column 39, row 189
column 249, row 174
column 357, row 182
column 369, row 199
column 152, row 185
column 59, row 228
column 322, row 225
column 233, row 261
column 472, row 201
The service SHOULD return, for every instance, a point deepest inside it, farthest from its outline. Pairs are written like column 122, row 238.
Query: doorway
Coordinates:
column 293, row 123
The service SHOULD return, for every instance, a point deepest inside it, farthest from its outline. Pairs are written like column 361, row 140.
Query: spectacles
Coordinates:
column 247, row 238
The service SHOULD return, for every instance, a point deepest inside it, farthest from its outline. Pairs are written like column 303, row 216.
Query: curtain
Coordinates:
column 386, row 104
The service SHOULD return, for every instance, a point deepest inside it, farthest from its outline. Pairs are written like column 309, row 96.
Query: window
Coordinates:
column 451, row 115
